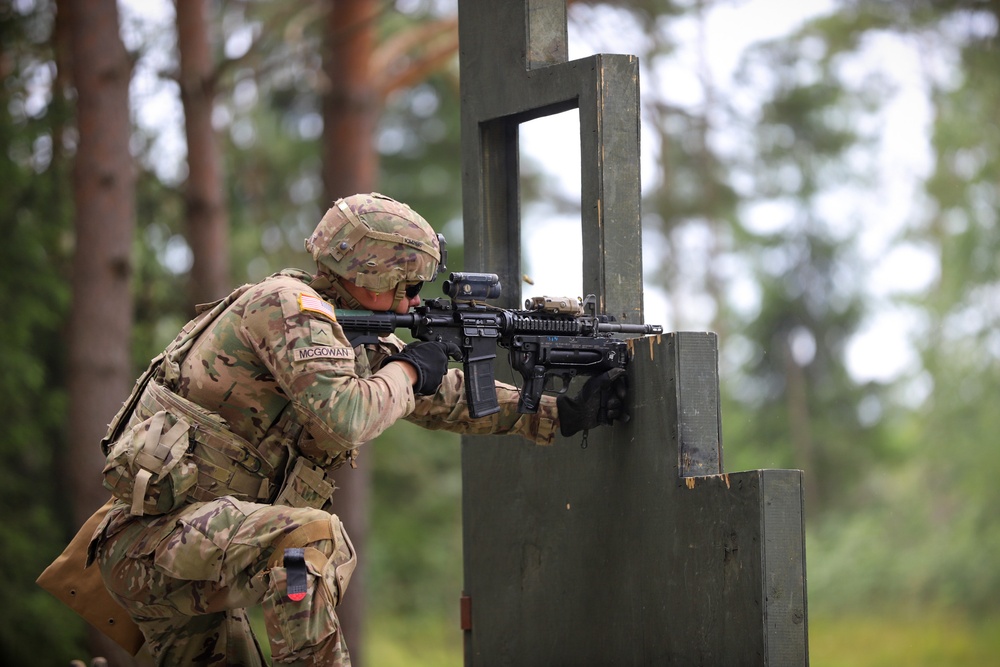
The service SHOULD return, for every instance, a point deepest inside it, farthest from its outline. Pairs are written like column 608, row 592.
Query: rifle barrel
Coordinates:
column 622, row 327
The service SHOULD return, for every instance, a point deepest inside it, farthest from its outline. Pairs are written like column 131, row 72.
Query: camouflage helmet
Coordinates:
column 375, row 242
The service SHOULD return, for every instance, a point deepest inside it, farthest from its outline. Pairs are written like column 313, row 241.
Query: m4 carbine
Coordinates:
column 551, row 338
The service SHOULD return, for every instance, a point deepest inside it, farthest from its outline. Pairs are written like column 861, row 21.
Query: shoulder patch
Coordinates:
column 316, row 305
column 314, row 352
column 321, row 333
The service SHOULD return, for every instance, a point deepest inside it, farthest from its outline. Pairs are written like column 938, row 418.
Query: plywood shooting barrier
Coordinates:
column 639, row 549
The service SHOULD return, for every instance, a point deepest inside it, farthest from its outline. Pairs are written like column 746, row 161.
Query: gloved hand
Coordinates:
column 600, row 401
column 430, row 359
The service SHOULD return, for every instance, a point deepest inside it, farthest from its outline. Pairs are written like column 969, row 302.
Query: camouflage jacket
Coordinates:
column 278, row 347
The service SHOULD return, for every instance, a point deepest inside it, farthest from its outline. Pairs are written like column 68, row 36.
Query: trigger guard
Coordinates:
column 566, row 379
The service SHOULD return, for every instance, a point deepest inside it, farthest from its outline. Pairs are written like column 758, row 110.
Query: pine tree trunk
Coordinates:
column 800, row 426
column 207, row 222
column 350, row 105
column 350, row 165
column 100, row 370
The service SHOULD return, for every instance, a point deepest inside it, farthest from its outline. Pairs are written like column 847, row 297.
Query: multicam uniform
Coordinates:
column 221, row 461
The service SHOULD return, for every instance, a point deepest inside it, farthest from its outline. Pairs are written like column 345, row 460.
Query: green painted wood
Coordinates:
column 499, row 92
column 637, row 550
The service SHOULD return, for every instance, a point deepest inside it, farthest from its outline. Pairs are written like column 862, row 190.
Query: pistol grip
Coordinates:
column 531, row 392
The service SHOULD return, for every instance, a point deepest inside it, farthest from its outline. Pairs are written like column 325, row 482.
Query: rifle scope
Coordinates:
column 470, row 286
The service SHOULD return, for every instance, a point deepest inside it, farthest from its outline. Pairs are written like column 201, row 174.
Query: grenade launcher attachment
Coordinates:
column 551, row 338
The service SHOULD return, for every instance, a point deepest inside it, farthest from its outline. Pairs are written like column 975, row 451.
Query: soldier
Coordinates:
column 220, row 459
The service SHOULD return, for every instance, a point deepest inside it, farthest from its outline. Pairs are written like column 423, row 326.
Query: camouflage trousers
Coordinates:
column 187, row 577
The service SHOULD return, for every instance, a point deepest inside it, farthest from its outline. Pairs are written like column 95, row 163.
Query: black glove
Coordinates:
column 601, row 401
column 431, row 361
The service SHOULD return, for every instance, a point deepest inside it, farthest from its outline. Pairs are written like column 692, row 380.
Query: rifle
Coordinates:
column 551, row 338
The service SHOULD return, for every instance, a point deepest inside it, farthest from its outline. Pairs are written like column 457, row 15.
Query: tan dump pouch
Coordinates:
column 81, row 588
column 149, row 466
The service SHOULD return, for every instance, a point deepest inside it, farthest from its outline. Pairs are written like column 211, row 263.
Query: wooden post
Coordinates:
column 638, row 549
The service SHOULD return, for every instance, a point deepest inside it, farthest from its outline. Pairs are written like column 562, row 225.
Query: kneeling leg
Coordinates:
column 307, row 575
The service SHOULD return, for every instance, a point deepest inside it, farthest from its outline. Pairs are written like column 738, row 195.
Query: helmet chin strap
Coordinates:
column 349, row 300
column 400, row 293
column 344, row 296
column 324, row 283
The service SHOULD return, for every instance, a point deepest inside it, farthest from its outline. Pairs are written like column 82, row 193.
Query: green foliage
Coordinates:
column 415, row 547
column 790, row 400
column 419, row 150
column 35, row 209
column 963, row 223
column 274, row 186
column 159, row 289
column 915, row 489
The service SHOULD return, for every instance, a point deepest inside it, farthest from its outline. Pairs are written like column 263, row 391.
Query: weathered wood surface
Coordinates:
column 636, row 550
column 498, row 93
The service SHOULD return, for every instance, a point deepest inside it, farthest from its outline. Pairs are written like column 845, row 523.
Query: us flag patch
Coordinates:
column 316, row 305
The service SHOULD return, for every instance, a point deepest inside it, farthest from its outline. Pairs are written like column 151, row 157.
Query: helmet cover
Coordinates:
column 375, row 242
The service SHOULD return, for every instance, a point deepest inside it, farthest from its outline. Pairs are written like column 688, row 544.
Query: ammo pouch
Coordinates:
column 178, row 453
column 307, row 485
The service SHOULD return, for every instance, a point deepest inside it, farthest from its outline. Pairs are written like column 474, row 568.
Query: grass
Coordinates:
column 914, row 639
column 919, row 638
column 427, row 641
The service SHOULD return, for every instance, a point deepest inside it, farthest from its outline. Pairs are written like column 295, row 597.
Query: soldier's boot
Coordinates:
column 307, row 576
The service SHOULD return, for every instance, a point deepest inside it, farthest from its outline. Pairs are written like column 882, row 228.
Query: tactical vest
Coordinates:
column 164, row 451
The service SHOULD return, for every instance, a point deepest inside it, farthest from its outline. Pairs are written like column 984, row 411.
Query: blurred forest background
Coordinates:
column 830, row 209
